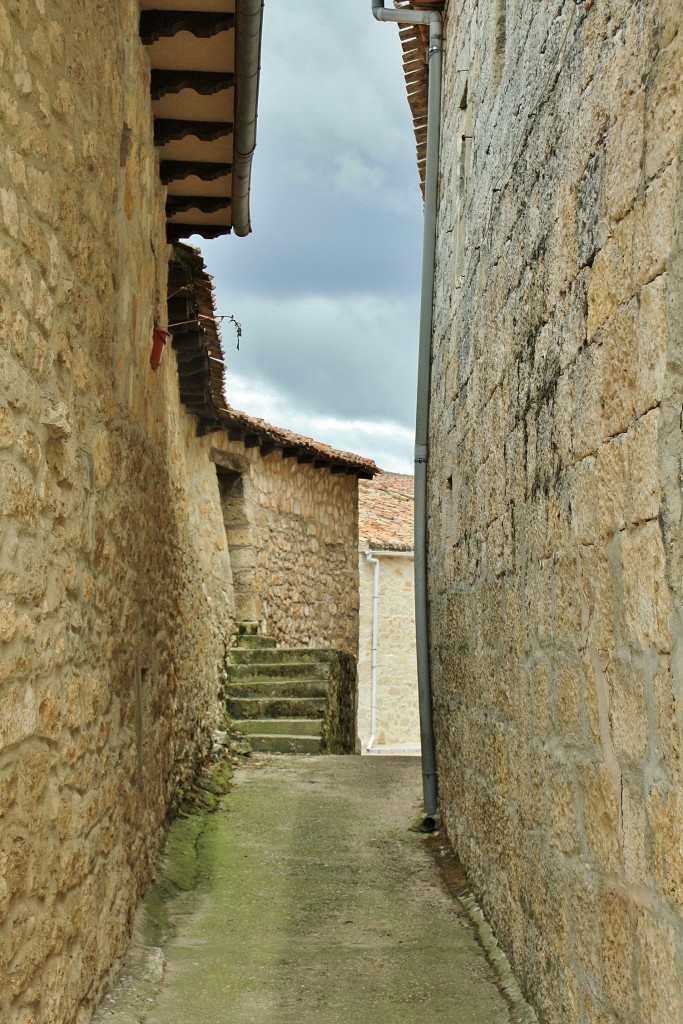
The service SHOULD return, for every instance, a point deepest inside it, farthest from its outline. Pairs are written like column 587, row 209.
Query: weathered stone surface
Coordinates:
column 292, row 532
column 397, row 719
column 338, row 734
column 555, row 494
column 114, row 588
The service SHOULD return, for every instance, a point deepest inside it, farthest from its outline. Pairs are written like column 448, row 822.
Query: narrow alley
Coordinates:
column 318, row 904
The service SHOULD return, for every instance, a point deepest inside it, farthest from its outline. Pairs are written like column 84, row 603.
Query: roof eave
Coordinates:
column 254, row 433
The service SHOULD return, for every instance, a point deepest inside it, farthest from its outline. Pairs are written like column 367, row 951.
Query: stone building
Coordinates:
column 290, row 507
column 388, row 720
column 118, row 577
column 554, row 489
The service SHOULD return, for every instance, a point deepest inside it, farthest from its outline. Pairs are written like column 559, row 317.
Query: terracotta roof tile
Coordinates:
column 241, row 426
column 195, row 337
column 385, row 512
column 414, row 44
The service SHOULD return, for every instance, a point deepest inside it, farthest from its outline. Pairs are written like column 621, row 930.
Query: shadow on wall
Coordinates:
column 239, row 536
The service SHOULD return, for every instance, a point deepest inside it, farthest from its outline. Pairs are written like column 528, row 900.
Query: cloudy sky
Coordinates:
column 327, row 285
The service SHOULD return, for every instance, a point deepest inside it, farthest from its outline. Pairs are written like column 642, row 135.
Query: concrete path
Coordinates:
column 319, row 906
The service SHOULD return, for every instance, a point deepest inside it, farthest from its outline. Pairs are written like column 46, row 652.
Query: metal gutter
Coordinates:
column 434, row 21
column 248, row 32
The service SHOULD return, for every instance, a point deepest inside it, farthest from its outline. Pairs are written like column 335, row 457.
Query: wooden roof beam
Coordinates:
column 155, row 25
column 166, row 82
column 167, row 129
column 178, row 170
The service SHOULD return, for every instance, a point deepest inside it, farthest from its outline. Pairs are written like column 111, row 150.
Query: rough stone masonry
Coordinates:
column 118, row 575
column 114, row 573
column 555, row 507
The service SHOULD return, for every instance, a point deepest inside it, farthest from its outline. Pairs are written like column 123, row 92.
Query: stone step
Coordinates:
column 280, row 688
column 243, row 655
column 285, row 744
column 277, row 670
column 276, row 707
column 250, row 644
column 280, row 727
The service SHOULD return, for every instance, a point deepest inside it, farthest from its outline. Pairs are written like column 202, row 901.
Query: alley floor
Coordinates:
column 318, row 905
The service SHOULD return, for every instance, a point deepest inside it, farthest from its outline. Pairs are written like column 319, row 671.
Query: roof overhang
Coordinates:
column 256, row 433
column 205, row 62
column 414, row 45
column 196, row 338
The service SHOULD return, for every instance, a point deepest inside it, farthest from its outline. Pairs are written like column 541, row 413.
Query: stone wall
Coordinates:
column 115, row 587
column 555, row 493
column 397, row 714
column 338, row 734
column 296, row 554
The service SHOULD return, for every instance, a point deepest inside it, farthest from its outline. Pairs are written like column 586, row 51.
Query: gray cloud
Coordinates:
column 313, row 240
column 327, row 286
column 342, row 355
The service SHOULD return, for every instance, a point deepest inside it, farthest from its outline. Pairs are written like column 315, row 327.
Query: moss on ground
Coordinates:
column 143, row 965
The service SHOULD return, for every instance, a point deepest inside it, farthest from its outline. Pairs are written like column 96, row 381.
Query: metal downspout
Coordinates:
column 434, row 20
column 248, row 28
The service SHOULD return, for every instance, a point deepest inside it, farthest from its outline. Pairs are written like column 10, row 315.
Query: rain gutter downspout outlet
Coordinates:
column 434, row 20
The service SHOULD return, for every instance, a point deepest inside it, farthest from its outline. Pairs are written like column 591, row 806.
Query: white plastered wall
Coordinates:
column 397, row 718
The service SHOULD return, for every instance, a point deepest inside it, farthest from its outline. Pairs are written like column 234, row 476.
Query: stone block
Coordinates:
column 598, row 594
column 20, row 714
column 563, row 820
column 591, row 228
column 620, row 369
column 569, row 699
column 9, row 209
column 668, row 732
column 658, row 975
column 663, row 107
column 665, row 816
column 33, row 768
column 624, row 157
column 640, row 450
column 564, row 242
column 583, row 499
column 617, row 921
column 655, row 217
column 568, row 598
column 601, row 817
column 29, row 449
column 8, row 791
column 612, row 487
column 646, row 603
column 589, row 426
column 9, row 619
column 636, row 859
column 611, row 282
column 628, row 708
column 653, row 334
column 583, row 896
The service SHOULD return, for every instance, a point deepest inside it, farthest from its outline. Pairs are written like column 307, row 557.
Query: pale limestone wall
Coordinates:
column 114, row 580
column 299, row 554
column 397, row 717
column 555, row 494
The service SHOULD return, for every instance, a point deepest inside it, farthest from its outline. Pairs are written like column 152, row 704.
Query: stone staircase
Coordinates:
column 277, row 698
